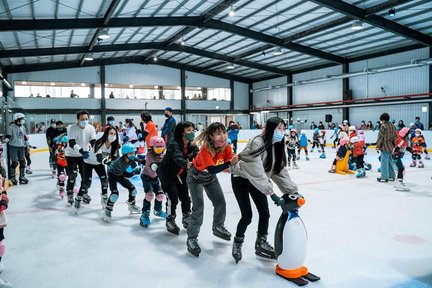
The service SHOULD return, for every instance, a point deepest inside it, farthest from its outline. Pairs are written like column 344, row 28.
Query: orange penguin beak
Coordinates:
column 301, row 201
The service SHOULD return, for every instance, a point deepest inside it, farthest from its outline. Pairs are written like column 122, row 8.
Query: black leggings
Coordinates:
column 87, row 178
column 176, row 191
column 74, row 164
column 123, row 181
column 242, row 189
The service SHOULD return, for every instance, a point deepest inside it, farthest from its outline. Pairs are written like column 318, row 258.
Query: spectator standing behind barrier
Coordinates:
column 321, row 126
column 418, row 124
column 385, row 143
column 169, row 125
column 377, row 126
column 313, row 125
column 400, row 125
column 369, row 126
column 16, row 133
column 363, row 125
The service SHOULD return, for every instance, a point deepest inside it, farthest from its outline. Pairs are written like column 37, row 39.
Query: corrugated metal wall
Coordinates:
column 394, row 83
column 201, row 80
column 275, row 97
column 241, row 95
column 318, row 92
column 407, row 113
column 142, row 74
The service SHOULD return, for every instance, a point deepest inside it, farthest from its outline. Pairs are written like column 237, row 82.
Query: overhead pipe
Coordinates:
column 5, row 82
column 413, row 64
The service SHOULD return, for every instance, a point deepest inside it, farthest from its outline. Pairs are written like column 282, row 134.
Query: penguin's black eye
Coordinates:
column 293, row 197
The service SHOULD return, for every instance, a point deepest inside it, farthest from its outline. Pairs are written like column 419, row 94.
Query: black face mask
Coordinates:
column 166, row 115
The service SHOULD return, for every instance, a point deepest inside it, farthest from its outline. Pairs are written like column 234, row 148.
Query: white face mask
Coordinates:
column 22, row 121
column 111, row 138
column 418, row 135
column 53, row 125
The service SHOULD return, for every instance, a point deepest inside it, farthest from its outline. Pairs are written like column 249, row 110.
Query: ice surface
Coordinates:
column 361, row 234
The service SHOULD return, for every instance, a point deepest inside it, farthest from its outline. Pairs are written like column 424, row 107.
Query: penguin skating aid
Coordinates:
column 291, row 243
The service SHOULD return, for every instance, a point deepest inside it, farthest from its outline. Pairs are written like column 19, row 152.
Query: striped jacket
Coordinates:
column 386, row 137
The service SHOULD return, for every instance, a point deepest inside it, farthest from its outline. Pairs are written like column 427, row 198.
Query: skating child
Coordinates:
column 151, row 181
column 4, row 202
column 61, row 164
column 341, row 151
column 262, row 163
column 352, row 132
column 172, row 172
column 291, row 143
column 424, row 146
column 104, row 150
column 214, row 156
column 417, row 143
column 315, row 140
column 322, row 143
column 233, row 131
column 397, row 154
column 303, row 143
column 358, row 155
column 28, row 169
column 335, row 136
column 118, row 172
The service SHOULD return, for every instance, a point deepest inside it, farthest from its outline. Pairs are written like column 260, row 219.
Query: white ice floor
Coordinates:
column 361, row 234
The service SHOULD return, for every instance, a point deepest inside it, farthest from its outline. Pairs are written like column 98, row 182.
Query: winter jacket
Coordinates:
column 168, row 129
column 303, row 141
column 251, row 167
column 386, row 137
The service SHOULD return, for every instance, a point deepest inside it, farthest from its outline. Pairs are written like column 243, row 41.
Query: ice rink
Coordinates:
column 361, row 234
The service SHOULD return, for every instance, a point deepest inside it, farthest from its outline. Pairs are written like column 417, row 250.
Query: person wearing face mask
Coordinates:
column 130, row 133
column 103, row 152
column 169, row 125
column 82, row 137
column 215, row 156
column 118, row 171
column 109, row 123
column 262, row 162
column 172, row 172
column 50, row 134
column 16, row 133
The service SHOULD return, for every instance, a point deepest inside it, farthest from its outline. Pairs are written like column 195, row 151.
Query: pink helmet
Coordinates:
column 343, row 141
column 293, row 130
column 156, row 141
column 404, row 131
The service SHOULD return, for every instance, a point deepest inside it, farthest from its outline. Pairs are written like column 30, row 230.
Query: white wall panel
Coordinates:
column 56, row 103
column 317, row 116
column 274, row 97
column 142, row 74
column 404, row 112
column 395, row 83
column 208, row 105
column 318, row 92
column 241, row 95
column 201, row 80
column 133, row 104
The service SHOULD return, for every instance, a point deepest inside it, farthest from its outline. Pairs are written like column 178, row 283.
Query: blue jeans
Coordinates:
column 387, row 170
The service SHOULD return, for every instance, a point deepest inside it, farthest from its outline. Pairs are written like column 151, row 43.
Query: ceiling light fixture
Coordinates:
column 357, row 25
column 230, row 66
column 103, row 35
column 392, row 12
column 231, row 12
column 182, row 42
column 155, row 59
column 277, row 51
column 263, row 54
column 88, row 57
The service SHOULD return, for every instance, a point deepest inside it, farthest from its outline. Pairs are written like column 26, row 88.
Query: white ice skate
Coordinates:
column 401, row 186
column 106, row 216
column 133, row 209
column 295, row 166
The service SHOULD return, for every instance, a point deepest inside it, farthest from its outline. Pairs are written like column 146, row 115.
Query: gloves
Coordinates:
column 106, row 161
column 137, row 170
column 86, row 154
column 277, row 200
column 154, row 166
column 125, row 139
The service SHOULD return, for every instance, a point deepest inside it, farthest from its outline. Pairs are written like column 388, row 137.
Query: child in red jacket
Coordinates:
column 357, row 147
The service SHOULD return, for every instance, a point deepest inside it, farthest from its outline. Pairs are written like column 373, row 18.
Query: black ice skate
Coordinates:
column 13, row 181
column 23, row 180
column 237, row 248
column 263, row 248
column 171, row 225
column 222, row 232
column 86, row 198
column 193, row 247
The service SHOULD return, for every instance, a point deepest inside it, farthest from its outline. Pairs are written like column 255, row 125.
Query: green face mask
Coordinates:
column 190, row 136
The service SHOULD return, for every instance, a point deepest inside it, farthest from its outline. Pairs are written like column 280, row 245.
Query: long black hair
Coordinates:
column 104, row 138
column 279, row 147
column 179, row 130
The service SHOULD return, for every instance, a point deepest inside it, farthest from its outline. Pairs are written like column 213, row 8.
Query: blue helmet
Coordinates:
column 336, row 129
column 290, row 127
column 316, row 129
column 64, row 139
column 128, row 148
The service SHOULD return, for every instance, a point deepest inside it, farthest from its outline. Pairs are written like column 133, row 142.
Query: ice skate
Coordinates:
column 367, row 166
column 53, row 173
column 427, row 157
column 145, row 219
column 61, row 192
column 289, row 165
column 298, row 158
column 222, row 232
column 77, row 204
column 295, row 166
column 86, row 198
column 311, row 150
column 323, row 156
column 23, row 180
column 13, row 181
column 413, row 163
column 401, row 186
column 70, row 199
column 421, row 165
column 28, row 170
column 106, row 216
column 307, row 158
column 161, row 214
column 237, row 248
column 319, row 150
column 332, row 169
column 172, row 226
column 193, row 247
column 360, row 173
column 185, row 220
column 104, row 200
column 263, row 248
column 133, row 209
column 379, row 170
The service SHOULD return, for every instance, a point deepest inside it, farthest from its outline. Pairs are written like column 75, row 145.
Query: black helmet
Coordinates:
column 52, row 121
